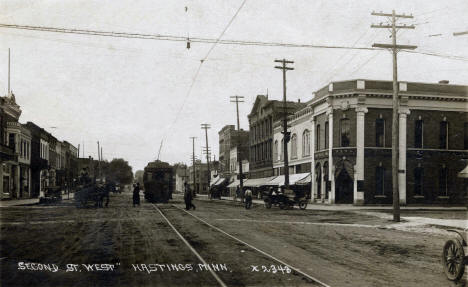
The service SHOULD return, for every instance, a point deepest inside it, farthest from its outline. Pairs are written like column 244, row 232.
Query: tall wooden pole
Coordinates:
column 396, row 101
column 206, row 127
column 286, row 134
column 193, row 163
column 237, row 100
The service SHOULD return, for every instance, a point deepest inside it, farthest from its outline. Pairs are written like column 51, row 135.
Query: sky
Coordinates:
column 129, row 94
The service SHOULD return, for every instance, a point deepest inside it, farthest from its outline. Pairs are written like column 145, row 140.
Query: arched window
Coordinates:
column 306, row 143
column 345, row 133
column 294, row 146
column 317, row 137
column 282, row 150
column 275, row 151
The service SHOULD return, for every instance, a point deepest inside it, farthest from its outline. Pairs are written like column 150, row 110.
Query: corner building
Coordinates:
column 345, row 135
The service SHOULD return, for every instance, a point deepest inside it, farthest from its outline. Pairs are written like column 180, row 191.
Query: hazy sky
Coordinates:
column 126, row 92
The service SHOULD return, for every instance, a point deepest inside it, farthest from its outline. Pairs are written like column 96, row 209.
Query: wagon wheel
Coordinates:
column 282, row 205
column 453, row 259
column 303, row 204
column 268, row 203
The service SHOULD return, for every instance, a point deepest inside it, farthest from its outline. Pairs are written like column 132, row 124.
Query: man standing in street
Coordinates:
column 188, row 197
column 136, row 194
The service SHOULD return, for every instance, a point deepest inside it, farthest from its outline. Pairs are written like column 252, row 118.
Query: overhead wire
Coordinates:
column 194, row 79
column 209, row 40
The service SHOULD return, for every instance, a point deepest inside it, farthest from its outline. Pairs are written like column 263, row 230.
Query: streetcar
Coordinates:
column 158, row 182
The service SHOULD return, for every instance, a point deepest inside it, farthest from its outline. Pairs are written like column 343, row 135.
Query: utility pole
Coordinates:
column 237, row 100
column 207, row 151
column 193, row 164
column 9, row 90
column 396, row 101
column 99, row 160
column 286, row 134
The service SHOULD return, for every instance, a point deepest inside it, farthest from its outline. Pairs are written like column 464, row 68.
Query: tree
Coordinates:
column 118, row 170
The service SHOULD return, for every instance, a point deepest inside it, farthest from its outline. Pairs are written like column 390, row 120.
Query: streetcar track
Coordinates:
column 315, row 280
column 221, row 282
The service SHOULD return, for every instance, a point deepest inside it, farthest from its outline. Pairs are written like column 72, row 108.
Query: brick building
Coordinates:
column 39, row 159
column 229, row 137
column 261, row 118
column 344, row 135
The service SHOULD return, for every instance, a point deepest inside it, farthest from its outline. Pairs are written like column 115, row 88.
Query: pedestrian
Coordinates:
column 248, row 198
column 188, row 197
column 136, row 194
column 107, row 189
column 237, row 193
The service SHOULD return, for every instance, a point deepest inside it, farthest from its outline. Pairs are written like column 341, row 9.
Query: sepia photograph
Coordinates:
column 233, row 143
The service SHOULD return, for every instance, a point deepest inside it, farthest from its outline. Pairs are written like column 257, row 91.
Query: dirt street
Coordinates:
column 137, row 247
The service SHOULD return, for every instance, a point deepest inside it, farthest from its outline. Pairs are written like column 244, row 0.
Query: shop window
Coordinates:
column 418, row 181
column 379, row 180
column 443, row 135
column 443, row 181
column 418, row 134
column 345, row 136
column 380, row 132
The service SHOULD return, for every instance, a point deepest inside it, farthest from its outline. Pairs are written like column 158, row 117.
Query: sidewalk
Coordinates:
column 28, row 201
column 414, row 223
column 348, row 207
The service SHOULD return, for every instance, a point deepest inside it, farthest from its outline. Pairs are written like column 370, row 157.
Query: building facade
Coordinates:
column 20, row 139
column 229, row 137
column 202, row 177
column 9, row 169
column 261, row 118
column 344, row 135
column 181, row 177
column 234, row 161
column 39, row 159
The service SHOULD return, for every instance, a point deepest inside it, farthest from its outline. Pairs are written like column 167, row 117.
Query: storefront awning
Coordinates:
column 256, row 182
column 235, row 183
column 222, row 180
column 293, row 178
column 306, row 180
column 214, row 180
column 463, row 173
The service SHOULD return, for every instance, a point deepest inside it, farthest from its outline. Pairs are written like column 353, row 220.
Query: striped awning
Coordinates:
column 256, row 182
column 293, row 178
column 463, row 173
